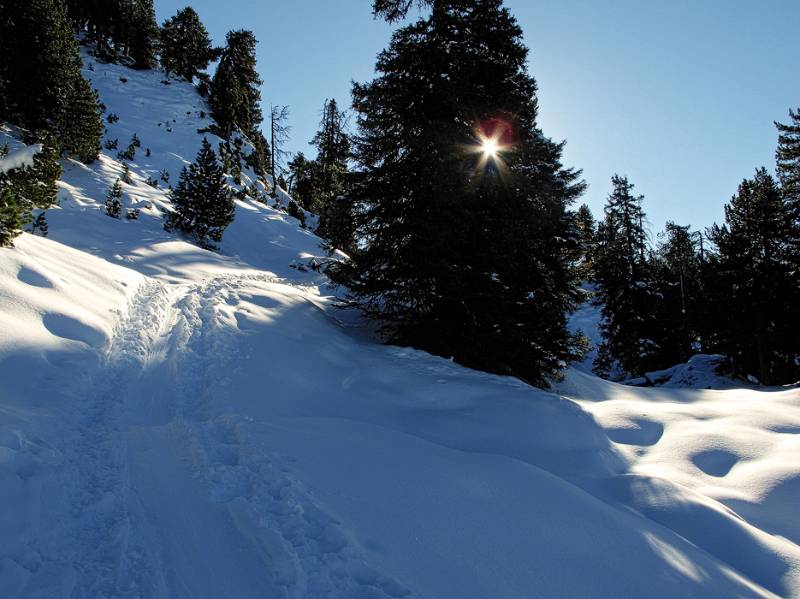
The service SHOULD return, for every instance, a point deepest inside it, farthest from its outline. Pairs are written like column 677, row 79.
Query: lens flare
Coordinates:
column 490, row 147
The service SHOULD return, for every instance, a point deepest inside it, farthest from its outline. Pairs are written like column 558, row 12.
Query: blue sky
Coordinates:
column 679, row 95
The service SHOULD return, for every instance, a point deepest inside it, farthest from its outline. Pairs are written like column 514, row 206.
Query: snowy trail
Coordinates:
column 154, row 460
column 99, row 537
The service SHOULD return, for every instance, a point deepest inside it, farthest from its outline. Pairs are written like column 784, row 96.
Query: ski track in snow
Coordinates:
column 105, row 555
column 109, row 537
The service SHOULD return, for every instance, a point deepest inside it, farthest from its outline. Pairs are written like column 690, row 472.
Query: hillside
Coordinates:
column 181, row 423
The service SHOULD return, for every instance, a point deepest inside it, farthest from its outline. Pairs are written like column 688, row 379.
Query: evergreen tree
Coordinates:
column 788, row 159
column 333, row 152
column 788, row 169
column 47, row 91
column 586, row 229
column 625, row 286
column 24, row 189
column 677, row 271
column 203, row 203
column 81, row 127
column 113, row 200
column 185, row 45
column 394, row 10
column 753, row 282
column 463, row 254
column 235, row 97
column 144, row 35
column 301, row 180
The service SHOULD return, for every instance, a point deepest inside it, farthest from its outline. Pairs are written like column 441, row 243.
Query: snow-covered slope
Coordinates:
column 186, row 424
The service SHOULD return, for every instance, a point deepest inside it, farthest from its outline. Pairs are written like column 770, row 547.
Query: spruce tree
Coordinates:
column 144, row 35
column 333, row 152
column 301, row 180
column 680, row 300
column 625, row 286
column 235, row 97
column 752, row 277
column 461, row 253
column 788, row 158
column 586, row 230
column 113, row 200
column 203, row 204
column 185, row 45
column 47, row 90
column 788, row 170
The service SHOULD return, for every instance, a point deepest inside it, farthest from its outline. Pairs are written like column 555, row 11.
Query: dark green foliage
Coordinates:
column 203, row 204
column 788, row 156
column 788, row 169
column 82, row 127
column 46, row 90
column 394, row 10
column 301, row 180
column 586, row 230
column 122, row 29
column 24, row 189
column 234, row 96
column 185, row 46
column 625, row 286
column 329, row 181
column 113, row 197
column 11, row 219
column 458, row 256
column 337, row 224
column 751, row 278
column 143, row 34
column 677, row 269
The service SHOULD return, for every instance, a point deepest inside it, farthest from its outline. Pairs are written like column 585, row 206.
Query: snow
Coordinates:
column 181, row 423
column 19, row 158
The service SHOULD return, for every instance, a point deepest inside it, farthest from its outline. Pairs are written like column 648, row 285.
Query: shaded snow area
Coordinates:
column 176, row 423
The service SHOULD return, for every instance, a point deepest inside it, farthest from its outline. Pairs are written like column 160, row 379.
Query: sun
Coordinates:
column 490, row 147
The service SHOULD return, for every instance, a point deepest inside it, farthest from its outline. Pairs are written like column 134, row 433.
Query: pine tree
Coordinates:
column 235, row 97
column 788, row 158
column 185, row 45
column 333, row 152
column 203, row 204
column 788, row 170
column 47, row 90
column 394, row 10
column 586, row 230
column 81, row 127
column 144, row 35
column 113, row 200
column 301, row 180
column 680, row 300
column 752, row 277
column 461, row 254
column 24, row 189
column 625, row 286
